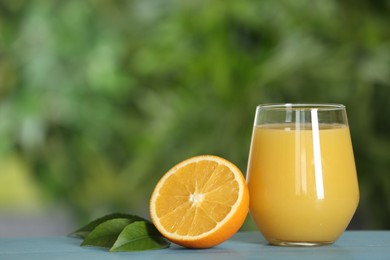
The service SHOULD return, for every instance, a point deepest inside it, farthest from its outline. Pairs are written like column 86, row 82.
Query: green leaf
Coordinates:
column 106, row 233
column 85, row 230
column 139, row 236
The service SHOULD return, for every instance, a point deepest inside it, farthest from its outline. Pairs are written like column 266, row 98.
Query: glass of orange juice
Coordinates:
column 301, row 173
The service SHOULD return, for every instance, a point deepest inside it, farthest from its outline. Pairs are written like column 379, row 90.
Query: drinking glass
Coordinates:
column 301, row 173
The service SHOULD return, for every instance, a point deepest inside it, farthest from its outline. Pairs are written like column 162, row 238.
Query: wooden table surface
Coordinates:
column 244, row 245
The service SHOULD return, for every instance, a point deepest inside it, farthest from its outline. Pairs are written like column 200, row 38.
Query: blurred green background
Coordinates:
column 99, row 98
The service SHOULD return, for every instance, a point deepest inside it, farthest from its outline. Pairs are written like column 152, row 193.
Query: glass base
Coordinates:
column 276, row 242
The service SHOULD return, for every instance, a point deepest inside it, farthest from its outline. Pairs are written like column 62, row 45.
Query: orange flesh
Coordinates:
column 196, row 200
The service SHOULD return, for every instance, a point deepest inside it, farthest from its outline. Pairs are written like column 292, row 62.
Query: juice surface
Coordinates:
column 303, row 184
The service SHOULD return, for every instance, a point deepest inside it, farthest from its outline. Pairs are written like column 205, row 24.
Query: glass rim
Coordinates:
column 301, row 106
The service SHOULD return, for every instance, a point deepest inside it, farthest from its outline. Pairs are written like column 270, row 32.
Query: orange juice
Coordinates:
column 302, row 182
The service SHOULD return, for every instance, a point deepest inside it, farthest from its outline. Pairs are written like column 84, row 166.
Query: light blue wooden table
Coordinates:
column 244, row 245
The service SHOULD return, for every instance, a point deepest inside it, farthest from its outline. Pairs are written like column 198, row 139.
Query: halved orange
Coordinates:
column 200, row 202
